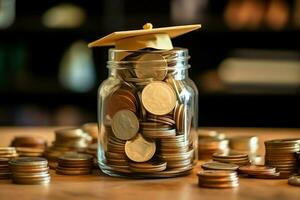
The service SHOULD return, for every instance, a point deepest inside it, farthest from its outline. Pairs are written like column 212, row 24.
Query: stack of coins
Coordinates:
column 8, row 152
column 29, row 142
column 147, row 120
column 75, row 164
column 5, row 172
column 115, row 155
column 176, row 152
column 281, row 154
column 245, row 144
column 218, row 179
column 259, row 171
column 219, row 166
column 30, row 170
column 29, row 146
column 207, row 147
column 232, row 157
column 92, row 130
column 67, row 140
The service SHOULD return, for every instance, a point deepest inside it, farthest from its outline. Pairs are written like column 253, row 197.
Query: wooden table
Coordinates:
column 98, row 186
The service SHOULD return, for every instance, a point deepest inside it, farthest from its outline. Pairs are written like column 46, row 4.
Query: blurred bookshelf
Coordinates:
column 31, row 54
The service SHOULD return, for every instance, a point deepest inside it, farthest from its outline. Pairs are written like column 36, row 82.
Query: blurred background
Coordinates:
column 245, row 60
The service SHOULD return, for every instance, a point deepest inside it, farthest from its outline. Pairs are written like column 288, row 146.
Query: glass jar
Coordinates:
column 147, row 112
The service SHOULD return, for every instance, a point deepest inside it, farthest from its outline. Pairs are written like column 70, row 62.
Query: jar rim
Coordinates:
column 117, row 57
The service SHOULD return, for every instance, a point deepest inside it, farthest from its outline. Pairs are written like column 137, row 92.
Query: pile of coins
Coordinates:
column 92, row 130
column 74, row 164
column 8, row 152
column 29, row 146
column 147, row 120
column 29, row 142
column 219, row 166
column 207, row 147
column 30, row 170
column 5, row 172
column 67, row 140
column 281, row 154
column 259, row 171
column 232, row 157
column 218, row 179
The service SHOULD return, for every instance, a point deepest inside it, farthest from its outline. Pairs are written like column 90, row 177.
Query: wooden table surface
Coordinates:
column 98, row 186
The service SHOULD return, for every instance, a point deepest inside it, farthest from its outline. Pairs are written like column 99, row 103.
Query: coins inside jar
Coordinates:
column 146, row 126
column 125, row 124
column 158, row 98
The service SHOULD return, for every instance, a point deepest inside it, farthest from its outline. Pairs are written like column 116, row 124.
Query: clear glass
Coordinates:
column 164, row 115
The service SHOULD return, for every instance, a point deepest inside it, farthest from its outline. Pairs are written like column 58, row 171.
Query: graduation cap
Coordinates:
column 148, row 37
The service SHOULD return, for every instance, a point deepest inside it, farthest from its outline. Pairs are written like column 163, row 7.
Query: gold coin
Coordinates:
column 151, row 65
column 158, row 98
column 125, row 125
column 139, row 149
column 28, row 161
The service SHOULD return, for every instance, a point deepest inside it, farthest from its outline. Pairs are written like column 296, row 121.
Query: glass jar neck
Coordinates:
column 149, row 63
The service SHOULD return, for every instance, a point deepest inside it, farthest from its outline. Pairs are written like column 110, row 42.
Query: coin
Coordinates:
column 158, row 98
column 139, row 149
column 121, row 99
column 125, row 125
column 219, row 166
column 151, row 65
column 28, row 161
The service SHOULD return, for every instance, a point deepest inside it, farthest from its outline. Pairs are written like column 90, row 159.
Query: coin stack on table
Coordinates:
column 232, row 157
column 218, row 179
column 147, row 125
column 30, row 170
column 92, row 130
column 5, row 172
column 67, row 140
column 8, row 152
column 281, row 154
column 74, row 164
column 207, row 147
column 246, row 144
column 259, row 171
column 29, row 146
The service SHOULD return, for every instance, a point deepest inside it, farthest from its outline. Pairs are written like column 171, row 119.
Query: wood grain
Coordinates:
column 98, row 186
